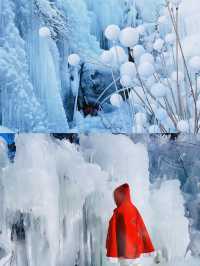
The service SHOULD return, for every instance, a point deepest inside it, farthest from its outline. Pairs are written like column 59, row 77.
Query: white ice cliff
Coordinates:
column 63, row 198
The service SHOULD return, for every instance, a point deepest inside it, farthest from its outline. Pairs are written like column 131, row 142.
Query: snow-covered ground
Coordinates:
column 63, row 194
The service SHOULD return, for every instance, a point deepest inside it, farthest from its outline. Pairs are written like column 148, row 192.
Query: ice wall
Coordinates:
column 101, row 15
column 36, row 82
column 65, row 190
column 35, row 193
column 43, row 58
column 149, row 9
column 20, row 108
column 34, row 70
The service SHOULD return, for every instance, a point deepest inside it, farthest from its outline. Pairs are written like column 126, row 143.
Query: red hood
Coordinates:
column 127, row 236
column 122, row 194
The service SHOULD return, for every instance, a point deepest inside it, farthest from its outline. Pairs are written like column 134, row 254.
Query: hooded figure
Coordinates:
column 127, row 236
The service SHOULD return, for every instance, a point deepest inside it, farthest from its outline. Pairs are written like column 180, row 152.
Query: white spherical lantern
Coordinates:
column 146, row 69
column 194, row 63
column 126, row 81
column 154, row 129
column 129, row 69
column 129, row 37
column 106, row 57
column 74, row 59
column 138, row 51
column 119, row 55
column 170, row 38
column 112, row 32
column 147, row 57
column 159, row 90
column 116, row 100
column 158, row 45
column 45, row 32
column 183, row 126
column 141, row 29
column 180, row 76
column 141, row 119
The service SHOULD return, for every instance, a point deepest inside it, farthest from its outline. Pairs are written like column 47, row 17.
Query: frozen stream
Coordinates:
column 56, row 199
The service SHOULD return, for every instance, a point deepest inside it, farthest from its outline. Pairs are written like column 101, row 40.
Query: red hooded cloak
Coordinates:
column 127, row 236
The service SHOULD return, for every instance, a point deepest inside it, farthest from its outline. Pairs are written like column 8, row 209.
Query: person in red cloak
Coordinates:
column 127, row 237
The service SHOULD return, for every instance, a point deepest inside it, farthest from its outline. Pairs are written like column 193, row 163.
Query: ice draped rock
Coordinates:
column 65, row 177
column 94, row 81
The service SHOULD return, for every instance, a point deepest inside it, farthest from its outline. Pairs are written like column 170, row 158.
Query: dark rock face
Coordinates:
column 93, row 82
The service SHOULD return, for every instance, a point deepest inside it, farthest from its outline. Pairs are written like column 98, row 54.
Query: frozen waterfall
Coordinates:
column 36, row 84
column 62, row 199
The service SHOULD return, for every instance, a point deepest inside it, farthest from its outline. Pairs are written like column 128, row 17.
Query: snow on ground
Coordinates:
column 67, row 194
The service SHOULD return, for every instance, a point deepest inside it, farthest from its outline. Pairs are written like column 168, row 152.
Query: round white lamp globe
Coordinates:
column 119, row 55
column 138, row 51
column 106, row 57
column 126, row 81
column 129, row 37
column 45, row 32
column 147, row 57
column 146, row 69
column 129, row 69
column 170, row 38
column 159, row 90
column 116, row 100
column 112, row 32
column 74, row 59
